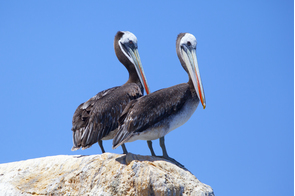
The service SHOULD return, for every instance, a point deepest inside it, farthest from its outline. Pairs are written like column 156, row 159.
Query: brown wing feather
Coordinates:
column 97, row 117
column 149, row 110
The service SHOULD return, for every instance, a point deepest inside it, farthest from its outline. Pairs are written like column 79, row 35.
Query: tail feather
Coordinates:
column 122, row 136
column 74, row 148
column 81, row 138
column 76, row 140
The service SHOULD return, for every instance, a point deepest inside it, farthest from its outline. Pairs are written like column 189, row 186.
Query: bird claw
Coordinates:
column 173, row 161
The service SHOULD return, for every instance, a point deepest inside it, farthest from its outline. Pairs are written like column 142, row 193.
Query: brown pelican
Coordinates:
column 97, row 119
column 156, row 114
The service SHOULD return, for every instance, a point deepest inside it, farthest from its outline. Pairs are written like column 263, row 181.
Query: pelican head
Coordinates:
column 127, row 52
column 186, row 44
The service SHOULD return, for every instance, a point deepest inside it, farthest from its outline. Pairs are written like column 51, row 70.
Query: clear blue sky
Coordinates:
column 55, row 55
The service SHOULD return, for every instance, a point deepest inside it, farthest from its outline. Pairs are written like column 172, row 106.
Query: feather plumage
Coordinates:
column 150, row 111
column 97, row 117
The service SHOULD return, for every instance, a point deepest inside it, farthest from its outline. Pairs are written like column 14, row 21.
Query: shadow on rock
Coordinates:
column 127, row 159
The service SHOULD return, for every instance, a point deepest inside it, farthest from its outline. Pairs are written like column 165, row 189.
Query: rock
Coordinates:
column 107, row 174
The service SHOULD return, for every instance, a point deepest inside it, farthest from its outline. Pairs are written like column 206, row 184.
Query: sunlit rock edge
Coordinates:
column 106, row 174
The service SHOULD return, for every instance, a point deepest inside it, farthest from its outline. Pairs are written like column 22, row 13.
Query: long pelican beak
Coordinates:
column 190, row 59
column 138, row 67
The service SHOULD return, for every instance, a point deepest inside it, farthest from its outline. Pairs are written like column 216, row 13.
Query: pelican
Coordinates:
column 97, row 119
column 156, row 114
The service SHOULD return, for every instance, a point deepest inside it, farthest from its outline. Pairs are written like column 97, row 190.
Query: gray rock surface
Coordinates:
column 107, row 174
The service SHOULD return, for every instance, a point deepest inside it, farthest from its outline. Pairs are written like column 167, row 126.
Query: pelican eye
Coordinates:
column 189, row 43
column 130, row 42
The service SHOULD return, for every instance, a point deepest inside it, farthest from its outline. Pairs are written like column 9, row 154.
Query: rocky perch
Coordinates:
column 107, row 174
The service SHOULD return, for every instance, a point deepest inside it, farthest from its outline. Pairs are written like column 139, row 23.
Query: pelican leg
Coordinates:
column 124, row 149
column 165, row 154
column 150, row 145
column 101, row 146
column 162, row 144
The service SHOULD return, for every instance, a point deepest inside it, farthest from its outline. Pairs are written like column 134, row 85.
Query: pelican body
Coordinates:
column 156, row 114
column 97, row 119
